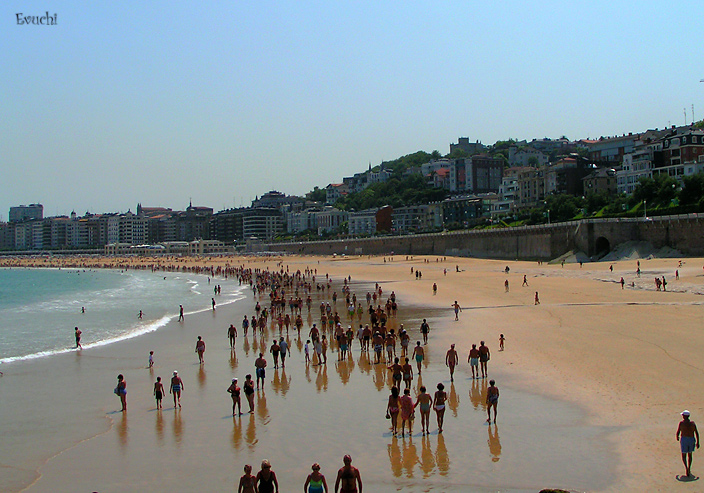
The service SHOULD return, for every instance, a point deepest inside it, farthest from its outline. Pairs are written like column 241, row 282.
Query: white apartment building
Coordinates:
column 362, row 222
column 330, row 219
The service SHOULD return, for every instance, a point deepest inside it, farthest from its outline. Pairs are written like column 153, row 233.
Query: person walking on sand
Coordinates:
column 213, row 302
column 77, row 333
column 393, row 407
column 451, row 360
column 176, row 388
column 525, row 281
column 348, row 478
column 266, row 479
column 473, row 360
column 424, row 329
column 249, row 392
column 283, row 346
column 180, row 313
column 688, row 431
column 484, row 356
column 406, row 403
column 457, row 308
column 418, row 354
column 501, row 342
column 492, row 399
column 506, row 286
column 234, row 391
column 247, row 481
column 537, row 299
column 151, row 359
column 260, row 365
column 200, row 349
column 275, row 350
column 121, row 391
column 424, row 400
column 315, row 482
column 439, row 405
column 232, row 334
column 158, row 392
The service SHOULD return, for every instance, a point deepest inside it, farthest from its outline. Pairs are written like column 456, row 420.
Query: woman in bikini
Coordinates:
column 492, row 399
column 315, row 482
column 249, row 392
column 424, row 401
column 234, row 391
column 392, row 409
column 247, row 481
column 176, row 388
column 439, row 405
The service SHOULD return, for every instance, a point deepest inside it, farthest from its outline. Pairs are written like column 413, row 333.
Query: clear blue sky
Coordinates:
column 159, row 102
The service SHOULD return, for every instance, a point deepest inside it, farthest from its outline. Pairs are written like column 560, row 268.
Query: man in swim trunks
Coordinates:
column 349, row 477
column 688, row 430
column 175, row 388
column 77, row 332
column 473, row 361
column 451, row 360
column 484, row 356
column 418, row 354
column 260, row 364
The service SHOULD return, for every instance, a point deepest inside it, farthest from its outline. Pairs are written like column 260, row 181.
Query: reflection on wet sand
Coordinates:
column 477, row 394
column 251, row 433
column 453, row 400
column 281, row 384
column 237, row 432
column 442, row 459
column 177, row 427
column 494, row 443
column 427, row 459
column 159, row 427
column 321, row 380
column 261, row 409
column 122, row 431
column 245, row 346
column 233, row 359
column 201, row 378
column 344, row 369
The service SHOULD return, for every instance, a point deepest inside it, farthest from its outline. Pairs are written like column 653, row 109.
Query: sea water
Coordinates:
column 39, row 308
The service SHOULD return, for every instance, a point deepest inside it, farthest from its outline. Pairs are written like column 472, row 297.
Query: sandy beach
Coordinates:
column 592, row 383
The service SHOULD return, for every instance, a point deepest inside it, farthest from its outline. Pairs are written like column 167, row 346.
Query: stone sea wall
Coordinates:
column 593, row 236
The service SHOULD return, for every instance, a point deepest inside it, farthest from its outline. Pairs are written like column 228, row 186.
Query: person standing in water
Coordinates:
column 348, row 476
column 456, row 306
column 315, row 482
column 121, row 391
column 232, row 334
column 418, row 354
column 77, row 333
column 424, row 400
column 180, row 313
column 234, row 391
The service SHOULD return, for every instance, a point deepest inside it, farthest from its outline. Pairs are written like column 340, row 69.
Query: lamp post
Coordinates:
column 645, row 209
column 548, row 216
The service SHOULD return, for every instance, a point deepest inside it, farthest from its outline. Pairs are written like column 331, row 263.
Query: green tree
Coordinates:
column 317, row 194
column 692, row 190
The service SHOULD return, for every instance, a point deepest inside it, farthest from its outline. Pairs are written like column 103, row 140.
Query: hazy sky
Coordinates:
column 158, row 102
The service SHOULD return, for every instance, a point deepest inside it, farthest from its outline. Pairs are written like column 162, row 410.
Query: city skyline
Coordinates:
column 128, row 103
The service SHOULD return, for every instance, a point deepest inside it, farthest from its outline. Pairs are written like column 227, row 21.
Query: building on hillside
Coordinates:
column 26, row 212
column 483, row 174
column 279, row 200
column 417, row 218
column 531, row 184
column 334, row 192
column 362, row 223
column 526, row 156
column 611, row 149
column 227, row 225
column 565, row 176
column 684, row 145
column 330, row 219
column 638, row 164
column 305, row 220
column 463, row 144
column 509, row 192
column 461, row 210
column 549, row 146
column 262, row 223
column 600, row 180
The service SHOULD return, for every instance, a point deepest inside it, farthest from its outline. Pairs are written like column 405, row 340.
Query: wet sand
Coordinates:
column 586, row 402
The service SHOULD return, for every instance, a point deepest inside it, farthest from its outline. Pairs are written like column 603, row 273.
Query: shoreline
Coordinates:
column 551, row 380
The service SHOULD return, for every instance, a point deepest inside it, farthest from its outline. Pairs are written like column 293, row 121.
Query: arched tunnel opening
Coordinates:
column 602, row 247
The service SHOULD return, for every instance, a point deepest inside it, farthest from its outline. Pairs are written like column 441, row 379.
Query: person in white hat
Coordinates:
column 175, row 388
column 688, row 431
column 234, row 391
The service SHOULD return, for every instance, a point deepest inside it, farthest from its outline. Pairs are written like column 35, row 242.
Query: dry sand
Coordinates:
column 592, row 382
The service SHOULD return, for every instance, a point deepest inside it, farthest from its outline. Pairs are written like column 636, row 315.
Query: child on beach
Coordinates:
column 158, row 391
column 306, row 350
column 501, row 342
column 151, row 359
